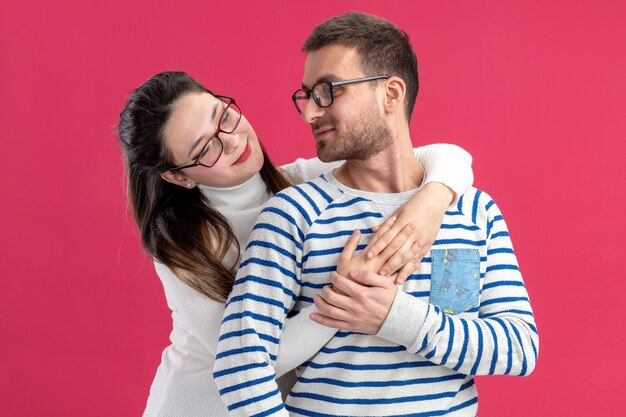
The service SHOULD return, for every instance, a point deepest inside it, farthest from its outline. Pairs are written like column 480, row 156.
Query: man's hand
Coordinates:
column 395, row 247
column 359, row 303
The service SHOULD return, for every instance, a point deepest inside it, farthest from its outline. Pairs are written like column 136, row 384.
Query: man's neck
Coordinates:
column 394, row 170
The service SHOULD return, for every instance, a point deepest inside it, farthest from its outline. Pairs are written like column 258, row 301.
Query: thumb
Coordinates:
column 351, row 245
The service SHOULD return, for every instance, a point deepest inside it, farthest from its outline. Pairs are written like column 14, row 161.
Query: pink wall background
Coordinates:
column 535, row 90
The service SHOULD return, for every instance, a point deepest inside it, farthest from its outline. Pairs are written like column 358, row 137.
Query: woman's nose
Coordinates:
column 230, row 141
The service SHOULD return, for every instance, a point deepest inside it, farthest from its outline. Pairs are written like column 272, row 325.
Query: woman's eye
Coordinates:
column 203, row 151
column 206, row 150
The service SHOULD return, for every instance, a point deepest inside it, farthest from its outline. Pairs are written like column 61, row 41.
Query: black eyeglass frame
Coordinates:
column 229, row 103
column 330, row 84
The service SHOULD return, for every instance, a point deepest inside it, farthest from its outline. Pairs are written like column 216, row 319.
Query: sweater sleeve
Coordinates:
column 200, row 314
column 448, row 164
column 301, row 339
column 303, row 170
column 445, row 163
column 266, row 288
column 502, row 340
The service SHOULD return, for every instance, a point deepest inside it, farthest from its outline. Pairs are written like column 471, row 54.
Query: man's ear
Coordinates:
column 395, row 93
column 178, row 178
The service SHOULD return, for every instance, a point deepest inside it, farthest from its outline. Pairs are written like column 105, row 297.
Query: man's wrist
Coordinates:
column 441, row 195
column 394, row 328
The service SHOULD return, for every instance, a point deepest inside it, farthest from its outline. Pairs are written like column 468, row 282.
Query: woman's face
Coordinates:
column 194, row 119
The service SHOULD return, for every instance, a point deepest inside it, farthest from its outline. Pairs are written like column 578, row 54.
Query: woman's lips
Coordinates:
column 244, row 155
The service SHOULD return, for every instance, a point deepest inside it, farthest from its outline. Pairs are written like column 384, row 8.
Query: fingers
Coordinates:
column 343, row 286
column 364, row 278
column 393, row 244
column 339, row 293
column 329, row 310
column 348, row 289
column 329, row 322
column 406, row 271
column 364, row 310
column 409, row 252
column 348, row 252
column 351, row 245
column 376, row 245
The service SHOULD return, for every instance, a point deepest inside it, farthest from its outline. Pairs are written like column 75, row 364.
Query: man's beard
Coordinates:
column 362, row 138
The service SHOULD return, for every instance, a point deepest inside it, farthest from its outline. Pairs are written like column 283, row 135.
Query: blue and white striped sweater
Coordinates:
column 422, row 360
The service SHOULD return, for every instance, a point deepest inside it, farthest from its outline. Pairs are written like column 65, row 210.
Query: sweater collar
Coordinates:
column 378, row 198
column 250, row 194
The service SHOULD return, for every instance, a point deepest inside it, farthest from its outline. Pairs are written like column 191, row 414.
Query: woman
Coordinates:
column 197, row 179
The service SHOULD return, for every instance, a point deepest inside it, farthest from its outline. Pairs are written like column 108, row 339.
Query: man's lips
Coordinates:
column 321, row 132
column 244, row 155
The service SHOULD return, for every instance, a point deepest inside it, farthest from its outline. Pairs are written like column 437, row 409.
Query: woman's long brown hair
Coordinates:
column 178, row 226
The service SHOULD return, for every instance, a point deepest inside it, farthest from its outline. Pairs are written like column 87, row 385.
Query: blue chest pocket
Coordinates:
column 455, row 279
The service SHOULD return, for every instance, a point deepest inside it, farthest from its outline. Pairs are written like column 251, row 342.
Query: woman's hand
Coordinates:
column 405, row 238
column 349, row 262
column 360, row 303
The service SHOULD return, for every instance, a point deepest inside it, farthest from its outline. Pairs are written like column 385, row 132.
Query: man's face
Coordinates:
column 353, row 126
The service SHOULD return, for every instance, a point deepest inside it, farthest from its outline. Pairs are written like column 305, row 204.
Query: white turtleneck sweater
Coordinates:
column 183, row 385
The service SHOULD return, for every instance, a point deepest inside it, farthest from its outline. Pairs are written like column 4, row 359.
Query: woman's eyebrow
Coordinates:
column 197, row 141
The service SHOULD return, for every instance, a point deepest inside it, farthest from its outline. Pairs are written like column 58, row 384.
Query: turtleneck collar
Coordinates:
column 250, row 194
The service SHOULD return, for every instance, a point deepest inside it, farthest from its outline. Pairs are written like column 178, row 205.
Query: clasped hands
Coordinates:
column 363, row 288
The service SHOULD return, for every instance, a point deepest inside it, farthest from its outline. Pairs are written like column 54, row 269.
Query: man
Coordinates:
column 467, row 311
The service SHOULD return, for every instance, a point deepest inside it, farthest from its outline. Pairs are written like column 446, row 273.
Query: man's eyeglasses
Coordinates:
column 322, row 92
column 212, row 147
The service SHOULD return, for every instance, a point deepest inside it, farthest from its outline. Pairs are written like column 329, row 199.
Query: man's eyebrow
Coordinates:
column 197, row 141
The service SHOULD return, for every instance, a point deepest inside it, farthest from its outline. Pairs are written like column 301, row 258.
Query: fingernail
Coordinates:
column 354, row 274
column 370, row 254
column 383, row 272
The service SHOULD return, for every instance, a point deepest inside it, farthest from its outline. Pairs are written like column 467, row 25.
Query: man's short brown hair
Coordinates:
column 384, row 48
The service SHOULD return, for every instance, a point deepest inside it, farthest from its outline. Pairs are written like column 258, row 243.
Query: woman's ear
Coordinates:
column 178, row 178
column 395, row 93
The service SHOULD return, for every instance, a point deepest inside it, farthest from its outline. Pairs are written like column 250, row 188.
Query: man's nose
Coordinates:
column 312, row 111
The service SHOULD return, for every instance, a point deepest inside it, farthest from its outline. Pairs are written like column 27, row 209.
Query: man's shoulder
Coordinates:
column 318, row 192
column 304, row 201
column 477, row 204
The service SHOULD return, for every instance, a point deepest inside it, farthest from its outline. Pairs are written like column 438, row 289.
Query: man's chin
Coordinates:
column 324, row 155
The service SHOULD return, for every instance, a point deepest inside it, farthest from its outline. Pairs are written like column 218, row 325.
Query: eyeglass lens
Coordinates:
column 321, row 92
column 227, row 123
